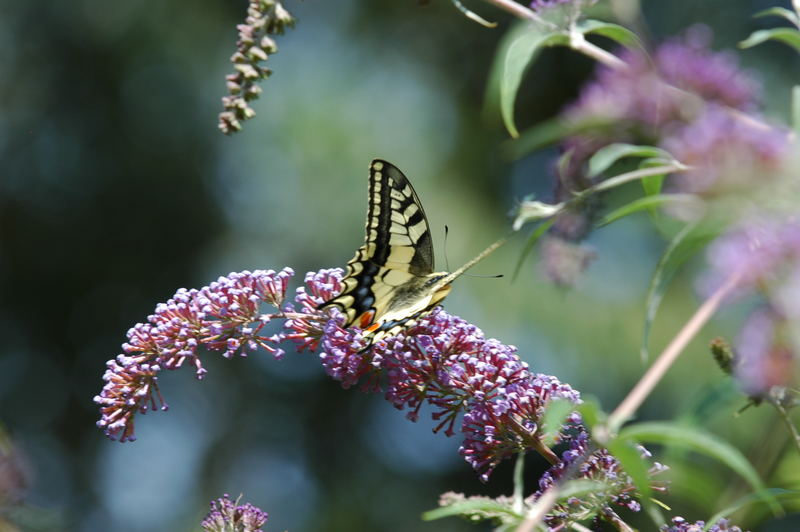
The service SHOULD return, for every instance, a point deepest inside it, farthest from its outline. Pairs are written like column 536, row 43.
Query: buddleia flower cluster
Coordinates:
column 230, row 516
column 254, row 46
column 224, row 317
column 475, row 386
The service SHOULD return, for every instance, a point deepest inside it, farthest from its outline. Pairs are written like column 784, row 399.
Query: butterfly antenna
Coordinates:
column 482, row 255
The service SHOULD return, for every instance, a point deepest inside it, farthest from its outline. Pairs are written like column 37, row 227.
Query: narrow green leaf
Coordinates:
column 578, row 487
column 645, row 203
column 615, row 32
column 757, row 497
column 796, row 108
column 652, row 185
column 788, row 14
column 521, row 52
column 605, row 157
column 466, row 507
column 554, row 416
column 700, row 441
column 547, row 133
column 590, row 412
column 632, row 462
column 689, row 240
column 788, row 36
column 535, row 236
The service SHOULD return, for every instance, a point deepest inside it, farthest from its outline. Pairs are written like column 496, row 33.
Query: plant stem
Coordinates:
column 635, row 175
column 579, row 43
column 788, row 422
column 653, row 376
column 520, row 11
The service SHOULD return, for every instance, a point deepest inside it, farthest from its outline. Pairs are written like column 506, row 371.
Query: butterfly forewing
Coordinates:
column 397, row 251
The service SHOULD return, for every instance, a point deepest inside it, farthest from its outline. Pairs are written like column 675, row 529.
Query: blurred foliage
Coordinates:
column 117, row 189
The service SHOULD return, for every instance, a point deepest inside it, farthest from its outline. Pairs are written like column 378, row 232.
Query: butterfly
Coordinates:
column 390, row 281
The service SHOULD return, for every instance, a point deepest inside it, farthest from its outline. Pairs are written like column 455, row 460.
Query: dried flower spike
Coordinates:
column 264, row 18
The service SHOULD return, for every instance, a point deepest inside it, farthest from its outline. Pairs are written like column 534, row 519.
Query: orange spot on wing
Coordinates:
column 365, row 320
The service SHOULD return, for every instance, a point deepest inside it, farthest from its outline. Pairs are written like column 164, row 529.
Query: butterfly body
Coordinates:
column 390, row 281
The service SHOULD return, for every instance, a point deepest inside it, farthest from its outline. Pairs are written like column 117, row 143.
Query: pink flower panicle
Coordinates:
column 449, row 364
column 229, row 516
column 223, row 316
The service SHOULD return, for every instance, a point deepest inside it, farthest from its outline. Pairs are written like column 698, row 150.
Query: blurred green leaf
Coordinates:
column 535, row 236
column 640, row 204
column 689, row 240
column 632, row 462
column 590, row 412
column 615, row 32
column 605, row 157
column 554, row 416
column 466, row 507
column 796, row 108
column 788, row 36
column 698, row 440
column 524, row 45
column 546, row 133
column 578, row 487
column 788, row 14
column 758, row 497
column 652, row 185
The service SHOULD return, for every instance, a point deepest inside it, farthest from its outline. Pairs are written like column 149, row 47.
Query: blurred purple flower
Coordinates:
column 679, row 524
column 563, row 261
column 229, row 516
column 766, row 253
column 538, row 5
column 725, row 154
column 223, row 316
column 644, row 97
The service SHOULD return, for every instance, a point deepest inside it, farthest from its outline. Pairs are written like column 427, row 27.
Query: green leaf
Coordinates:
column 700, row 441
column 788, row 14
column 647, row 202
column 788, row 36
column 590, row 412
column 652, row 185
column 760, row 496
column 522, row 49
column 466, row 507
column 605, row 157
column 796, row 108
column 535, row 236
column 554, row 416
column 615, row 32
column 579, row 487
column 548, row 132
column 632, row 462
column 689, row 240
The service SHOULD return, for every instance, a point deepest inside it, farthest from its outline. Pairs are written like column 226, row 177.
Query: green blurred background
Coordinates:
column 116, row 189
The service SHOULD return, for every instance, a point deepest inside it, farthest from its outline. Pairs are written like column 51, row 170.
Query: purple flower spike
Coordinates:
column 223, row 316
column 679, row 524
column 229, row 516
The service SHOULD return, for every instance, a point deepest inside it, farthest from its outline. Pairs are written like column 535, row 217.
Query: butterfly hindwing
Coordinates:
column 397, row 251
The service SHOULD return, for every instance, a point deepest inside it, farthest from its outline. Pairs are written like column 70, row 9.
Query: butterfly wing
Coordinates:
column 397, row 251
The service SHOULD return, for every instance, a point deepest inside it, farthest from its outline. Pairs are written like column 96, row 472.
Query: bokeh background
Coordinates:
column 116, row 189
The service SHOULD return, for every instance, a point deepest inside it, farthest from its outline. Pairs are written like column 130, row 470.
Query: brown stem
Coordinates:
column 653, row 376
